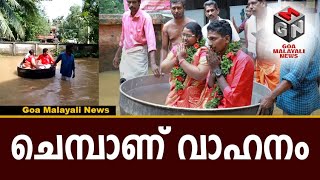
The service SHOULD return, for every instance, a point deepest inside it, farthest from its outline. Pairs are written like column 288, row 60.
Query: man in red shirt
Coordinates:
column 236, row 86
column 45, row 58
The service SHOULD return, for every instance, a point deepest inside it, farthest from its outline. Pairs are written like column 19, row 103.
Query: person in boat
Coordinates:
column 188, row 66
column 230, row 80
column 29, row 61
column 67, row 68
column 27, row 55
column 45, row 60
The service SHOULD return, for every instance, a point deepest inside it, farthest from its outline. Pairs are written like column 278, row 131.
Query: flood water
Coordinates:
column 82, row 90
column 109, row 92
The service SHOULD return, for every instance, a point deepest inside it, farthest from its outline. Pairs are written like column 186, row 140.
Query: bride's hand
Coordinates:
column 182, row 54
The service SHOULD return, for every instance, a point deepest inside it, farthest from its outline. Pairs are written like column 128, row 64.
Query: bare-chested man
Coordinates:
column 171, row 32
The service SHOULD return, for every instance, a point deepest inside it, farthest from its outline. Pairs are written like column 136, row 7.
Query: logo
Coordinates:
column 289, row 24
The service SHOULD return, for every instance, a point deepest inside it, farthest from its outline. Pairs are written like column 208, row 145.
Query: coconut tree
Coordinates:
column 90, row 12
column 12, row 25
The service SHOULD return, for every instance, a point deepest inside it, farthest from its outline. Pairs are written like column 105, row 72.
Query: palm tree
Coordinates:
column 90, row 13
column 11, row 21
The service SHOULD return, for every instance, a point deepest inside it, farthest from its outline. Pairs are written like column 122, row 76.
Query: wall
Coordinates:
column 13, row 48
column 109, row 37
column 197, row 15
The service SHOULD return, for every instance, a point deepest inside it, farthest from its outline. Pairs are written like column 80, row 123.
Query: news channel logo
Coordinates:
column 289, row 24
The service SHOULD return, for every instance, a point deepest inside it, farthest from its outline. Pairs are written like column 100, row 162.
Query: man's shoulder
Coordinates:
column 205, row 26
column 145, row 14
column 243, row 57
column 251, row 19
column 63, row 53
column 169, row 23
column 125, row 15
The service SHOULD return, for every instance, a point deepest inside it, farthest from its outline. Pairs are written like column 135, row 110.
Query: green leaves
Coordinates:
column 178, row 72
column 111, row 7
column 13, row 15
column 226, row 62
column 226, row 65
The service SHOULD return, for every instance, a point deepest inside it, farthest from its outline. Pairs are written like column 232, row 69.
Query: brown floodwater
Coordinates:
column 82, row 90
column 109, row 92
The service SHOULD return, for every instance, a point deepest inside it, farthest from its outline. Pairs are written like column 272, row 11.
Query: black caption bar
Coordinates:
column 57, row 110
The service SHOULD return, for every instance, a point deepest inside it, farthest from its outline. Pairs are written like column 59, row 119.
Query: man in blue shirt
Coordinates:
column 298, row 91
column 67, row 64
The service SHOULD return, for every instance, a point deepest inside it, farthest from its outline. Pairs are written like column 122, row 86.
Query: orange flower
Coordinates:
column 196, row 45
column 230, row 55
column 180, row 92
column 179, row 78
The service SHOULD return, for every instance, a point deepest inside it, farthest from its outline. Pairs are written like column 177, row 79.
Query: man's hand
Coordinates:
column 155, row 69
column 116, row 62
column 266, row 103
column 73, row 75
column 213, row 59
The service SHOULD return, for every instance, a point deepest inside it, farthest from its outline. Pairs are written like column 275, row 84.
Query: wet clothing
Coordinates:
column 134, row 62
column 29, row 62
column 67, row 64
column 45, row 59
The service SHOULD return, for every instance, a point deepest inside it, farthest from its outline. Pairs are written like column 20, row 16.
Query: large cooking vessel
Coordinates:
column 36, row 73
column 146, row 95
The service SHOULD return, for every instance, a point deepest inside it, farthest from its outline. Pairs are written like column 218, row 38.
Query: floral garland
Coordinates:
column 178, row 73
column 226, row 64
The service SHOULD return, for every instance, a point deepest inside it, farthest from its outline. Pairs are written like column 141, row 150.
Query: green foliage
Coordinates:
column 56, row 52
column 111, row 7
column 77, row 54
column 90, row 13
column 81, row 25
column 13, row 14
column 35, row 26
column 83, row 53
column 73, row 26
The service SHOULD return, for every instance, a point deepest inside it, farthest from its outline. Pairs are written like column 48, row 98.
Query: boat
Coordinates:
column 146, row 95
column 36, row 73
